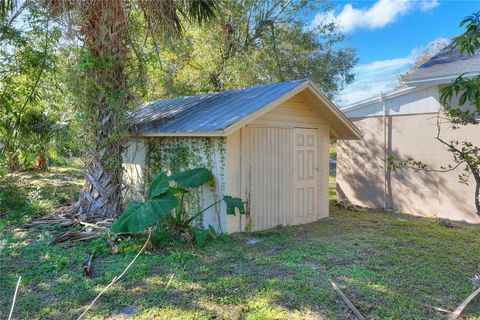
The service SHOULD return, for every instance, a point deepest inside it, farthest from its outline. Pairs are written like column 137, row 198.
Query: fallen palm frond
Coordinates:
column 74, row 236
column 456, row 313
column 346, row 204
column 52, row 220
column 67, row 221
column 436, row 308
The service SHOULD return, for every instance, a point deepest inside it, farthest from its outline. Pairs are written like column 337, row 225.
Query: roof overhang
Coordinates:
column 217, row 133
column 341, row 127
column 380, row 97
column 432, row 81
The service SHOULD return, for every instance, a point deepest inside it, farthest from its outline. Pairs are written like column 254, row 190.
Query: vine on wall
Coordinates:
column 174, row 154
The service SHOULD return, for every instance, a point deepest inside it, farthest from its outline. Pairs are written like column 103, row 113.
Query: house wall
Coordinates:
column 424, row 100
column 260, row 166
column 361, row 169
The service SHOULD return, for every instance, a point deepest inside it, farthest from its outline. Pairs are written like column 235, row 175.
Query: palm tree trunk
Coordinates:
column 105, row 29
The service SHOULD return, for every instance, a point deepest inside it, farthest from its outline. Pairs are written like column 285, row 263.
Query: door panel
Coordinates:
column 271, row 197
column 305, row 174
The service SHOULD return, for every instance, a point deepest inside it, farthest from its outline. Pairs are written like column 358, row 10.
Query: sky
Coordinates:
column 389, row 34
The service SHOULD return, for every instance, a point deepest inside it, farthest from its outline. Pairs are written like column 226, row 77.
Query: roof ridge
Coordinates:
column 228, row 90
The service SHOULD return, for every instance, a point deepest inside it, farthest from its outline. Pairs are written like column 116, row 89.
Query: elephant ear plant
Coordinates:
column 164, row 208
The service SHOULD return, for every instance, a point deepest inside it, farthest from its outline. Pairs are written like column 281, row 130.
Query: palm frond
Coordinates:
column 165, row 17
column 7, row 6
column 198, row 11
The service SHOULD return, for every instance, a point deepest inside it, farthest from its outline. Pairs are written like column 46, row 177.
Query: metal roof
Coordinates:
column 208, row 112
column 446, row 64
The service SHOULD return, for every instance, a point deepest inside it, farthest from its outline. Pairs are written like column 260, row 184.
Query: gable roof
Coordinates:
column 444, row 66
column 220, row 113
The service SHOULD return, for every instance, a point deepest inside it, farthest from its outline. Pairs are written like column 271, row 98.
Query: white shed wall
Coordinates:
column 134, row 163
column 260, row 166
column 206, row 152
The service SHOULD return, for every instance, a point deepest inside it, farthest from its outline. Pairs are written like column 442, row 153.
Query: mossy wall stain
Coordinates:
column 174, row 154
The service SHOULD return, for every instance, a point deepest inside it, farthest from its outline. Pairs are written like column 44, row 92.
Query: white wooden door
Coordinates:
column 305, row 175
column 270, row 177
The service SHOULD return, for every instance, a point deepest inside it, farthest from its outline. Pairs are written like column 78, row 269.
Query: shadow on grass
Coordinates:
column 389, row 265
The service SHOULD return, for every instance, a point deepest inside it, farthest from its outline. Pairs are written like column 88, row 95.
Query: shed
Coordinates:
column 266, row 144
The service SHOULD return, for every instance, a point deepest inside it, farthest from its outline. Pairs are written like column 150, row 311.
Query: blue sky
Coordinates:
column 389, row 34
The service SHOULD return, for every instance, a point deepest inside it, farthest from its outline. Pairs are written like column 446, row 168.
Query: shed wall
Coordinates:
column 361, row 170
column 260, row 166
column 173, row 154
column 134, row 161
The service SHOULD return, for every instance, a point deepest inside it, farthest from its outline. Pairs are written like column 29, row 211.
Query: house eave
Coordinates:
column 387, row 96
column 446, row 79
column 248, row 119
column 356, row 133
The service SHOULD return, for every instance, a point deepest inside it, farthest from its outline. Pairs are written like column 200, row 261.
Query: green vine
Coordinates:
column 175, row 154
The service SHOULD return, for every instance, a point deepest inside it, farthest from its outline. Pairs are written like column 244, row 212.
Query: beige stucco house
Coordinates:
column 266, row 144
column 403, row 124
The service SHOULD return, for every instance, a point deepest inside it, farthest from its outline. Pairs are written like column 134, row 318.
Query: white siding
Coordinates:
column 425, row 100
column 234, row 168
column 323, row 141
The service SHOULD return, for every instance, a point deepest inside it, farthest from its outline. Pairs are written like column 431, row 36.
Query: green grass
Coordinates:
column 391, row 266
column 26, row 195
column 332, row 152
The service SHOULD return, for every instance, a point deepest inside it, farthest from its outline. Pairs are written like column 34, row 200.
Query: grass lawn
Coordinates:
column 391, row 266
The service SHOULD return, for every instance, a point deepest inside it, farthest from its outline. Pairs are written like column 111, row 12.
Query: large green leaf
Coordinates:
column 140, row 215
column 192, row 178
column 158, row 186
column 178, row 191
column 121, row 225
column 233, row 203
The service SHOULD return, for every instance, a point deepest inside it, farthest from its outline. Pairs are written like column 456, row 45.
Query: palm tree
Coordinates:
column 104, row 28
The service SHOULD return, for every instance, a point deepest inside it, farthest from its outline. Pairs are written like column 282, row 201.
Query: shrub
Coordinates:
column 164, row 208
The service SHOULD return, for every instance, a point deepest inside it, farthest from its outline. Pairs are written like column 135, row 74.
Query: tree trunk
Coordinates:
column 477, row 192
column 42, row 163
column 105, row 29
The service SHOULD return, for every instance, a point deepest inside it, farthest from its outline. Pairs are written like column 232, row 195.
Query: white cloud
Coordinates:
column 380, row 14
column 373, row 78
column 426, row 5
column 382, row 75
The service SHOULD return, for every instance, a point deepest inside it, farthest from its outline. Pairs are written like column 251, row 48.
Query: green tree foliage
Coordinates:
column 114, row 54
column 28, row 41
column 103, row 93
column 251, row 42
column 461, row 102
